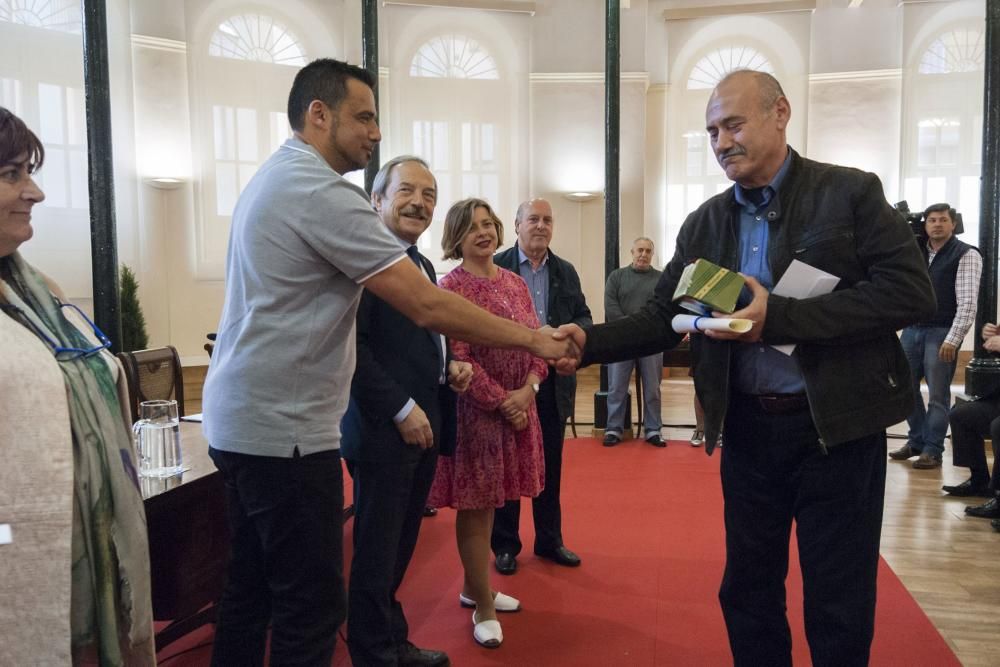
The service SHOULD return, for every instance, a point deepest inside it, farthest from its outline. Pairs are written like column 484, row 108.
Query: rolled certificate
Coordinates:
column 697, row 324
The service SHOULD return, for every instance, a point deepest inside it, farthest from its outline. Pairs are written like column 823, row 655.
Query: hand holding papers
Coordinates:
column 698, row 324
column 801, row 281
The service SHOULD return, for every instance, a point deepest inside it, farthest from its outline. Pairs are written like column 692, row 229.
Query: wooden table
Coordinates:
column 188, row 539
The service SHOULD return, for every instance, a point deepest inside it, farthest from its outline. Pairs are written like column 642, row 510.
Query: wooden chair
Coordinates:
column 152, row 375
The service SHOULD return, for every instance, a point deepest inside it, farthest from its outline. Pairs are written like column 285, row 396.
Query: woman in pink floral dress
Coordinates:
column 498, row 456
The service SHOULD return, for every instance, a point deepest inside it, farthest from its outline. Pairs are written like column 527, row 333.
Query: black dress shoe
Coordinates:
column 656, row 441
column 409, row 655
column 430, row 511
column 505, row 563
column 988, row 510
column 968, row 488
column 611, row 439
column 560, row 555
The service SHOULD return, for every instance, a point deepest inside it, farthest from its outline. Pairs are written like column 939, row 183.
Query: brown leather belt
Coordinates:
column 779, row 404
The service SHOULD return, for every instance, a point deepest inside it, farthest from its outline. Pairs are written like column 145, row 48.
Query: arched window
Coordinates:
column 245, row 64
column 942, row 145
column 453, row 57
column 463, row 123
column 693, row 172
column 47, row 92
column 256, row 37
column 61, row 15
column 702, row 174
column 709, row 70
column 955, row 51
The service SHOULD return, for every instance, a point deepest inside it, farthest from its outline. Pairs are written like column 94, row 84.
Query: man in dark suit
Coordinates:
column 558, row 299
column 401, row 415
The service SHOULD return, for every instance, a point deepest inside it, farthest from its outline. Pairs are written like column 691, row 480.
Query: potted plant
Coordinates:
column 134, row 335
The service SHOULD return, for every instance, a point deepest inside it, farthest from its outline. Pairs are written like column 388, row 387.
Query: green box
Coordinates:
column 705, row 287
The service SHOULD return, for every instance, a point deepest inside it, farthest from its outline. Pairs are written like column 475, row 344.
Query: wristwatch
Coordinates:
column 534, row 386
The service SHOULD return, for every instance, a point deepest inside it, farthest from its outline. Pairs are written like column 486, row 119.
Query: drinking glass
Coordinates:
column 158, row 439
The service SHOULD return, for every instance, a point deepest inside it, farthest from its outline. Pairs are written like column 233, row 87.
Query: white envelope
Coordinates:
column 802, row 281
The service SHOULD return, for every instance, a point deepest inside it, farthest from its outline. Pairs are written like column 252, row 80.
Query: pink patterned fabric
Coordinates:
column 492, row 463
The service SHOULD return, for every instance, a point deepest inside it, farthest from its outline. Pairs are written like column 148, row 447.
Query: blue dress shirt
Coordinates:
column 759, row 368
column 538, row 284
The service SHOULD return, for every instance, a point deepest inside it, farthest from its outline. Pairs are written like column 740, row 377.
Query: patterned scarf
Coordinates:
column 111, row 609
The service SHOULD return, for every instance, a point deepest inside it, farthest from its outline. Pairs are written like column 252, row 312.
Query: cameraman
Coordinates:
column 932, row 346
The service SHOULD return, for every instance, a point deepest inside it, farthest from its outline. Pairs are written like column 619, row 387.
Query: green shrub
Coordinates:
column 134, row 335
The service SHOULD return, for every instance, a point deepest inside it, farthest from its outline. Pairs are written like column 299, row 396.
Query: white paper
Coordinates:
column 192, row 418
column 6, row 537
column 801, row 281
column 697, row 324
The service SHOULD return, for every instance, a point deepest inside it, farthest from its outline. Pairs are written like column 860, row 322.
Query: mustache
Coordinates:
column 733, row 152
column 414, row 212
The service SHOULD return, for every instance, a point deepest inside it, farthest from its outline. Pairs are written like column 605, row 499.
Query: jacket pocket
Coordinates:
column 824, row 237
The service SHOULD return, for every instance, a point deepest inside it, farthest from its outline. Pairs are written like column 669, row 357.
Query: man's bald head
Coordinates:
column 769, row 90
column 533, row 224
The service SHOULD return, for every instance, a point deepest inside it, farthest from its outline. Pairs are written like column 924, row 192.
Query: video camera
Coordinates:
column 914, row 220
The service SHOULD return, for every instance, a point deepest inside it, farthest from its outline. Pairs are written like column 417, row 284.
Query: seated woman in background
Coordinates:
column 75, row 573
column 498, row 455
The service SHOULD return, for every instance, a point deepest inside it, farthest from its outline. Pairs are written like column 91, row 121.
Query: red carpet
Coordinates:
column 648, row 525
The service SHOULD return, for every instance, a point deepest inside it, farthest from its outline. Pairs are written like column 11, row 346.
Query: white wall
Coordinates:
column 855, row 121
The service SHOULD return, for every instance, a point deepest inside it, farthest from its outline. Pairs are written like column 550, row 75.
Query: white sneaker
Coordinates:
column 697, row 438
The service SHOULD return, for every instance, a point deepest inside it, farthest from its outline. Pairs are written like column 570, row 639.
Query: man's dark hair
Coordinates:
column 941, row 208
column 324, row 79
column 16, row 139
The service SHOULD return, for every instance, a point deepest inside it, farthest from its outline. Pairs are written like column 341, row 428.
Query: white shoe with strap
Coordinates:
column 501, row 602
column 487, row 633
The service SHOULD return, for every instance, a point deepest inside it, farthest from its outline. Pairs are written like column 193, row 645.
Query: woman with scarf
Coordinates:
column 75, row 573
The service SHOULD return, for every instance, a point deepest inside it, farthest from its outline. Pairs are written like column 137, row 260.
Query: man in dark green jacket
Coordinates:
column 558, row 299
column 805, row 433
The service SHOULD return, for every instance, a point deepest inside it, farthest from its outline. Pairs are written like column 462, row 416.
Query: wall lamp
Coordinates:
column 581, row 196
column 164, row 183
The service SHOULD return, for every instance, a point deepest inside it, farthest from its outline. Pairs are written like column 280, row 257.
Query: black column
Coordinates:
column 100, row 173
column 369, row 54
column 612, row 142
column 982, row 376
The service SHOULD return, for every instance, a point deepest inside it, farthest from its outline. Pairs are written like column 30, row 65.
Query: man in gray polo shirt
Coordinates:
column 303, row 243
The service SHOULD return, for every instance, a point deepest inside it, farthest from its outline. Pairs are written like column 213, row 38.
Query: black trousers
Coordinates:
column 774, row 472
column 286, row 565
column 388, row 509
column 545, row 508
column 971, row 422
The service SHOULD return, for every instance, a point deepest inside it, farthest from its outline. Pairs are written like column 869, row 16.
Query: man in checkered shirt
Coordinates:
column 932, row 346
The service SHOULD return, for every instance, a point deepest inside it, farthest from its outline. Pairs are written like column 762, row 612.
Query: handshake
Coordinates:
column 562, row 347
